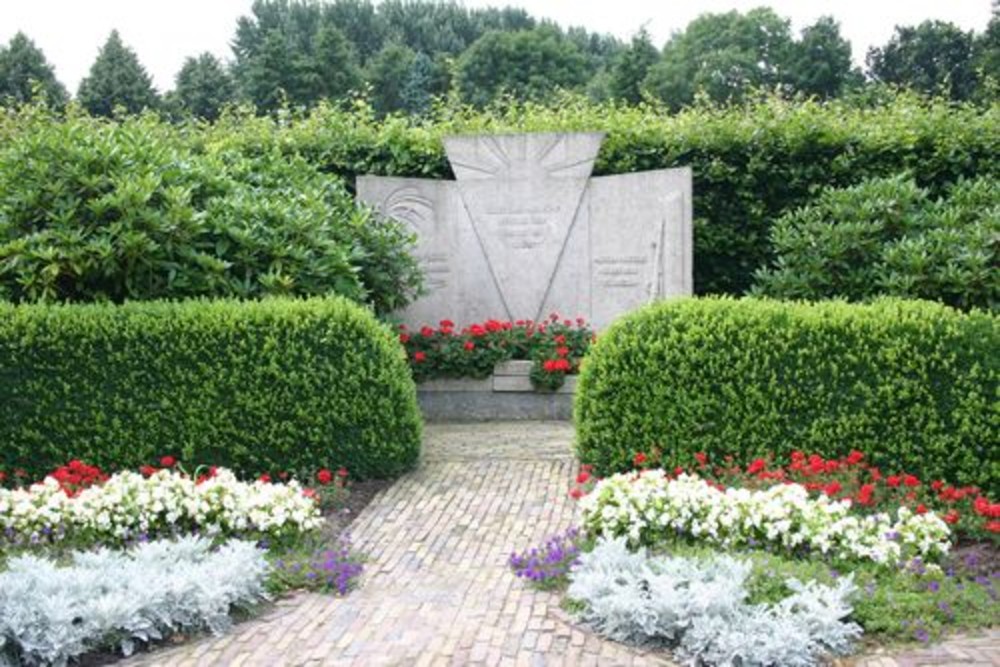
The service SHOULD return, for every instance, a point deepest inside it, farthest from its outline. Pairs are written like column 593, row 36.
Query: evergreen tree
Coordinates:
column 988, row 54
column 116, row 79
column 630, row 68
column 388, row 73
column 334, row 63
column 416, row 93
column 203, row 87
column 23, row 68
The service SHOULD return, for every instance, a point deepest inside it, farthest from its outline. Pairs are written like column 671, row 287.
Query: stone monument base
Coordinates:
column 506, row 395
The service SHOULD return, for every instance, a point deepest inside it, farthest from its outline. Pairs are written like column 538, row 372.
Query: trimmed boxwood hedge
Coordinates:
column 912, row 384
column 274, row 385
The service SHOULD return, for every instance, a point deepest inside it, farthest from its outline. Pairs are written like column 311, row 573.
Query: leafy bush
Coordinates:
column 555, row 346
column 51, row 613
column 97, row 210
column 700, row 609
column 912, row 385
column 751, row 164
column 887, row 236
column 255, row 386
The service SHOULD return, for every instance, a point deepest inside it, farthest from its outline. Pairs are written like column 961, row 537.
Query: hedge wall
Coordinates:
column 751, row 164
column 274, row 385
column 912, row 384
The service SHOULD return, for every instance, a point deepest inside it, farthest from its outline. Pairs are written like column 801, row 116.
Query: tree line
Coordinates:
column 404, row 54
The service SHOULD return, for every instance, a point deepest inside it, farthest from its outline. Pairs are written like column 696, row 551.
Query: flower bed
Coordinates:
column 653, row 508
column 968, row 511
column 555, row 346
column 80, row 505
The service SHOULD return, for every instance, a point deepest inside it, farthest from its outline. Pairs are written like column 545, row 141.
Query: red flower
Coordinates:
column 937, row 485
column 146, row 471
column 865, row 494
column 951, row 517
column 3, row 476
column 309, row 493
column 167, row 462
column 447, row 324
column 282, row 475
column 639, row 459
column 562, row 351
column 419, row 356
column 993, row 527
column 911, row 481
column 469, row 345
column 342, row 472
column 833, row 488
column 921, row 509
column 404, row 338
column 560, row 339
column 756, row 466
column 583, row 477
column 701, row 458
column 266, row 478
column 324, row 476
column 576, row 493
column 855, row 457
column 893, row 480
column 678, row 470
column 426, row 332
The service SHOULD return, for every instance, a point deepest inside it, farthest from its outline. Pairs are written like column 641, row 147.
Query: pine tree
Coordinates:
column 335, row 63
column 416, row 93
column 203, row 87
column 631, row 67
column 23, row 68
column 116, row 79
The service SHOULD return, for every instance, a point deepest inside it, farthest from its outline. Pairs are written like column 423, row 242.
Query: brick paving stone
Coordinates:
column 436, row 588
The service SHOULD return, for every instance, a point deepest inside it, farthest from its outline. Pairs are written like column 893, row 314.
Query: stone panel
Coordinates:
column 525, row 231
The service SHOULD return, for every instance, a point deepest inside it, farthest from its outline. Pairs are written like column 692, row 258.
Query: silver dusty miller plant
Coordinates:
column 699, row 609
column 50, row 613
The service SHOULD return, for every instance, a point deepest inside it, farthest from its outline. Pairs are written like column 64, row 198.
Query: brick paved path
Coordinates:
column 437, row 590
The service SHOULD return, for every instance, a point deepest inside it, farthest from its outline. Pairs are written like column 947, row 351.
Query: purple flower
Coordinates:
column 921, row 635
column 549, row 562
column 934, row 586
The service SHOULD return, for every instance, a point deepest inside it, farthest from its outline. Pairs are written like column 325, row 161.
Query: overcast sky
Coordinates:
column 164, row 32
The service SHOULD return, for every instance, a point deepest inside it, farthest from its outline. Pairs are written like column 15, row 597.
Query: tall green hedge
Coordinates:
column 912, row 384
column 259, row 386
column 751, row 164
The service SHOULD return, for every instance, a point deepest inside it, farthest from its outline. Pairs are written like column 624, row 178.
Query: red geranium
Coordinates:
column 324, row 476
column 167, row 462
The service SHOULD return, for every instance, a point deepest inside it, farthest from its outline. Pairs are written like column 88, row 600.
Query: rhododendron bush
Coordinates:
column 555, row 345
column 80, row 505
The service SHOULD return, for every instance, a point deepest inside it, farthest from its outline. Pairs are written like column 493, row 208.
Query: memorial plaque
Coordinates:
column 524, row 230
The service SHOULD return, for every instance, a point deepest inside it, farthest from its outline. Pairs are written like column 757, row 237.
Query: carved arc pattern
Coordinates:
column 407, row 205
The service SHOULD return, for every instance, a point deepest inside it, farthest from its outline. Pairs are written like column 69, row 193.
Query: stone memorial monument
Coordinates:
column 524, row 230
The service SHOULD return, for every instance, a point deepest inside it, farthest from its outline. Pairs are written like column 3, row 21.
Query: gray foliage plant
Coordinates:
column 699, row 609
column 52, row 612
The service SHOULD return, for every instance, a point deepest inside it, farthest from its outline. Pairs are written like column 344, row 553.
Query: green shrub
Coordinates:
column 257, row 386
column 92, row 210
column 888, row 236
column 751, row 164
column 911, row 384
